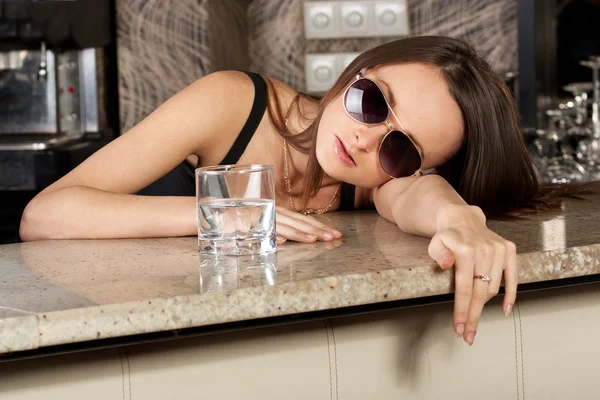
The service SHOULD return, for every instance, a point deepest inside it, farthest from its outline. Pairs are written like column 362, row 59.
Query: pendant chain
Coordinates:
column 286, row 174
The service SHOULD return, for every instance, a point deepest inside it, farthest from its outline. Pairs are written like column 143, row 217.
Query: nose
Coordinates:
column 367, row 138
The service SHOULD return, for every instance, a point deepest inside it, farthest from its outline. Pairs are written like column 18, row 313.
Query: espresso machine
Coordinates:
column 58, row 92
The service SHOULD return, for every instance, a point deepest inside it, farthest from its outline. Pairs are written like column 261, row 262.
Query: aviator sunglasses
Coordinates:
column 365, row 103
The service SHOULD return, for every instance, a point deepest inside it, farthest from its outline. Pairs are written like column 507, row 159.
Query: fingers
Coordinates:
column 303, row 228
column 511, row 278
column 462, row 296
column 473, row 254
column 468, row 311
column 316, row 223
column 289, row 233
column 302, row 232
column 465, row 263
column 489, row 261
column 497, row 269
column 470, row 294
column 495, row 259
column 440, row 253
column 307, row 219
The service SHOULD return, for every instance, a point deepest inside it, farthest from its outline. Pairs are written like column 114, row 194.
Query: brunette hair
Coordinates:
column 492, row 169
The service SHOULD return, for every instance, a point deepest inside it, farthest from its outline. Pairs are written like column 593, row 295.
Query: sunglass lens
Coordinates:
column 365, row 102
column 398, row 155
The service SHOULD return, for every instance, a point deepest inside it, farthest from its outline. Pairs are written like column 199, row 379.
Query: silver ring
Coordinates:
column 485, row 278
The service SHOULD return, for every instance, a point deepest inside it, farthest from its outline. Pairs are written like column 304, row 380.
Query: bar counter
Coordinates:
column 94, row 292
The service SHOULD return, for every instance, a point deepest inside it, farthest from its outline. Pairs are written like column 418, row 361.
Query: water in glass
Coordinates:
column 236, row 209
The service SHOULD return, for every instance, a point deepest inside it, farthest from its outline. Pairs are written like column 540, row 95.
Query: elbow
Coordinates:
column 35, row 223
column 29, row 228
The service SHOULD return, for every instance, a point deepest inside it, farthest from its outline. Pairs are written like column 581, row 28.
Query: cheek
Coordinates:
column 333, row 121
column 379, row 177
column 330, row 123
column 332, row 118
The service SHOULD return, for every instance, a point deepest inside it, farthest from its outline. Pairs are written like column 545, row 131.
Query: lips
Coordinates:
column 343, row 153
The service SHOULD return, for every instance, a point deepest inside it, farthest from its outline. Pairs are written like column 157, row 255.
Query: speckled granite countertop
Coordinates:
column 57, row 292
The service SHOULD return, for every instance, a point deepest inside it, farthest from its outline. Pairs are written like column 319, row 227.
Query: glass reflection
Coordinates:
column 226, row 273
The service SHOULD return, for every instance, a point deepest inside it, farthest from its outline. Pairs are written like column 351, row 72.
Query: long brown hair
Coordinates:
column 492, row 169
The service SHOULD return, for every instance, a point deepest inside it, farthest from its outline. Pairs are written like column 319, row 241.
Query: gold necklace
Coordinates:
column 286, row 174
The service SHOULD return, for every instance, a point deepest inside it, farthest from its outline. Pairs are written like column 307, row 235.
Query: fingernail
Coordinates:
column 337, row 233
column 328, row 235
column 460, row 329
column 470, row 338
column 281, row 240
column 508, row 309
column 442, row 263
column 311, row 237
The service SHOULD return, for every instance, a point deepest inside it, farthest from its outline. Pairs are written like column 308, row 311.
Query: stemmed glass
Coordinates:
column 579, row 90
column 579, row 131
column 590, row 148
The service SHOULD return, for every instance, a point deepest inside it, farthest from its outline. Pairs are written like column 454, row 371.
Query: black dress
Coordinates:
column 181, row 181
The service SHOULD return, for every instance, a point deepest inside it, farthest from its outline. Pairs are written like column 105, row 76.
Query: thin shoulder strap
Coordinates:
column 256, row 113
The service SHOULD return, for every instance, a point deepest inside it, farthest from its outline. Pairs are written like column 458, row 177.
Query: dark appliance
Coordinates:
column 58, row 94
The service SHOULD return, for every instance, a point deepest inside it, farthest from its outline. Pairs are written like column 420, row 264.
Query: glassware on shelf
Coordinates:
column 568, row 150
column 553, row 154
column 580, row 91
column 541, row 149
column 590, row 148
column 594, row 64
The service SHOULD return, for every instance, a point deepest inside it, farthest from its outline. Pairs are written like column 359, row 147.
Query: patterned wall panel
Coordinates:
column 277, row 44
column 164, row 45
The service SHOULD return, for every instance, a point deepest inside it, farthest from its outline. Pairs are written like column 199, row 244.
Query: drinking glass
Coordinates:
column 594, row 64
column 236, row 209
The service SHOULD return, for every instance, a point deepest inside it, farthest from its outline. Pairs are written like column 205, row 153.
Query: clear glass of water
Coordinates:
column 236, row 209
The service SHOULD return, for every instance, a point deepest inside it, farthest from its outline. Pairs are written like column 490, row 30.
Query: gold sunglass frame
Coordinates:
column 418, row 172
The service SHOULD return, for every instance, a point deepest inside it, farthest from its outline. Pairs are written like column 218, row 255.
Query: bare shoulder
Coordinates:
column 224, row 84
column 215, row 106
column 221, row 99
column 198, row 120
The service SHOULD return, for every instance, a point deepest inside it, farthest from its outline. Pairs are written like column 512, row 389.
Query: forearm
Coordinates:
column 88, row 213
column 420, row 209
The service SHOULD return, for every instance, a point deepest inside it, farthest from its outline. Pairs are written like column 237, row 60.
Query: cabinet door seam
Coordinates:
column 122, row 373
column 329, row 359
column 522, row 357
column 519, row 362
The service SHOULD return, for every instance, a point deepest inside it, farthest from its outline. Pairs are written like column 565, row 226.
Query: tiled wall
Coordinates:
column 166, row 44
column 277, row 44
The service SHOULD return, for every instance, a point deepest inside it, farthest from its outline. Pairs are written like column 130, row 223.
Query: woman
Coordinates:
column 399, row 113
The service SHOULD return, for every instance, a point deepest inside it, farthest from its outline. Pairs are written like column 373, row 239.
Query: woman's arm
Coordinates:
column 429, row 206
column 83, row 212
column 97, row 200
column 413, row 203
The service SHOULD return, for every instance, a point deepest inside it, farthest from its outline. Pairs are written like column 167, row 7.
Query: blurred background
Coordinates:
column 74, row 74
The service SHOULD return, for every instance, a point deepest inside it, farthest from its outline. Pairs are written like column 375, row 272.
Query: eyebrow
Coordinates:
column 390, row 94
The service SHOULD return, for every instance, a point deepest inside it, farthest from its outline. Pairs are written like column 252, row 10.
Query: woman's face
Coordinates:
column 424, row 107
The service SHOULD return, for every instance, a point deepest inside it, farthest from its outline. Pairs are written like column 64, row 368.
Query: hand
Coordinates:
column 463, row 240
column 302, row 228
